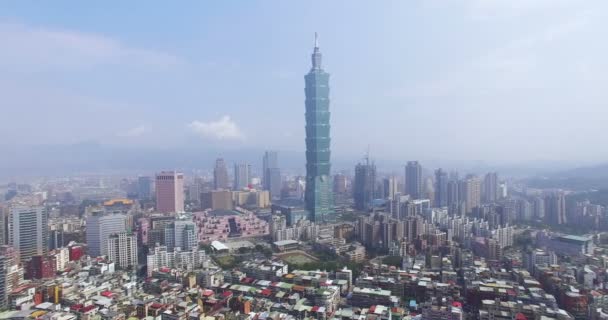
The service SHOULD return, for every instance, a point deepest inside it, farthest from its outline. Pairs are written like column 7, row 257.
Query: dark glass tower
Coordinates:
column 318, row 197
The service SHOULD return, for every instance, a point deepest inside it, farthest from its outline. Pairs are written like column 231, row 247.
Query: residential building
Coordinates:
column 122, row 249
column 490, row 187
column 364, row 186
column 441, row 188
column 472, row 193
column 413, row 179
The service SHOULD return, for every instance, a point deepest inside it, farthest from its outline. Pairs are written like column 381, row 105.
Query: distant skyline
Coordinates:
column 503, row 82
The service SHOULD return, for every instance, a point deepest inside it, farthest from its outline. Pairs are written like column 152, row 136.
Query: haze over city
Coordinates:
column 500, row 82
column 303, row 160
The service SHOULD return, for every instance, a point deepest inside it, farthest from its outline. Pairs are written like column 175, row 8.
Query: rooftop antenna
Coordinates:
column 367, row 155
column 316, row 40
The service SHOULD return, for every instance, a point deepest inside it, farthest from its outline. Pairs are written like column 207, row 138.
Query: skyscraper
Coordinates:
column 276, row 182
column 3, row 283
column 555, row 208
column 339, row 183
column 441, row 188
column 242, row 172
column 454, row 197
column 270, row 160
column 389, row 186
column 490, row 187
column 170, row 192
column 318, row 196
column 220, row 175
column 413, row 179
column 144, row 188
column 99, row 228
column 271, row 174
column 364, row 185
column 28, row 231
column 3, row 225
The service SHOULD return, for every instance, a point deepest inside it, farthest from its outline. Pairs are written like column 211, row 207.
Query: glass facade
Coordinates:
column 318, row 196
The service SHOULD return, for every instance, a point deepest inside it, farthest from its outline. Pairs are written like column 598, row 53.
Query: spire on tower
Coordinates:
column 316, row 54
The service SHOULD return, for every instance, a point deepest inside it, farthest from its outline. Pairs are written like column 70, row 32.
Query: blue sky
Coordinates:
column 493, row 80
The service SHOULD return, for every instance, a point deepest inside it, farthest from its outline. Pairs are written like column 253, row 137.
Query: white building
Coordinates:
column 62, row 258
column 28, row 231
column 504, row 236
column 122, row 249
column 181, row 234
column 185, row 260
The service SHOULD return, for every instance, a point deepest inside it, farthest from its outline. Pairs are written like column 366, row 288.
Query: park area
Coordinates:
column 297, row 257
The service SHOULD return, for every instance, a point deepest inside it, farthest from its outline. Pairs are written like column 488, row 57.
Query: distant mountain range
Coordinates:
column 95, row 158
column 579, row 179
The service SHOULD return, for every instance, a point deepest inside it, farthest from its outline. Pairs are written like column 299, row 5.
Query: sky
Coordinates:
column 502, row 81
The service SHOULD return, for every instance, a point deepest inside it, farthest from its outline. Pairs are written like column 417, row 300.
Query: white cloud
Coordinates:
column 222, row 129
column 26, row 47
column 134, row 132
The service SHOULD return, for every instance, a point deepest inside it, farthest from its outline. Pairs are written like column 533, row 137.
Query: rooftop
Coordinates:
column 285, row 242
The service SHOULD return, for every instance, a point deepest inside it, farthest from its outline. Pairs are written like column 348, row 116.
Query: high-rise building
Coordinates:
column 170, row 192
column 453, row 197
column 275, row 183
column 3, row 225
column 272, row 174
column 144, row 188
column 122, row 249
column 99, row 228
column 340, row 183
column 3, row 282
column 318, row 196
column 472, row 192
column 538, row 208
column 413, row 179
column 490, row 187
column 181, row 234
column 555, row 208
column 28, row 231
column 269, row 161
column 389, row 186
column 441, row 188
column 220, row 175
column 364, row 185
column 429, row 190
column 242, row 172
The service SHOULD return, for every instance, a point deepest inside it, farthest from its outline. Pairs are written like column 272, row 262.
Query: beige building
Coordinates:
column 251, row 198
column 217, row 200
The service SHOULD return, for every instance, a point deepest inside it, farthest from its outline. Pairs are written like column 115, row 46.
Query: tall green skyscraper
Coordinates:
column 319, row 196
